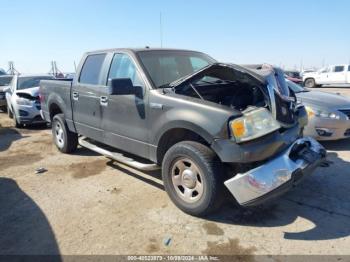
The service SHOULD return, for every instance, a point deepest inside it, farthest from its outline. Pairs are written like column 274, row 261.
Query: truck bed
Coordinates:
column 56, row 91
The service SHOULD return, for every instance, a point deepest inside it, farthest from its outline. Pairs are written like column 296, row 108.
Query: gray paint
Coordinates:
column 136, row 124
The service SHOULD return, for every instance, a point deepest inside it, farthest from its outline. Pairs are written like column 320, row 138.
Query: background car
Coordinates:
column 5, row 81
column 23, row 101
column 329, row 114
column 294, row 76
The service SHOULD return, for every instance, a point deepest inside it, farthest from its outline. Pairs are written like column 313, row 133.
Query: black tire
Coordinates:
column 3, row 109
column 69, row 139
column 16, row 122
column 310, row 83
column 9, row 113
column 211, row 175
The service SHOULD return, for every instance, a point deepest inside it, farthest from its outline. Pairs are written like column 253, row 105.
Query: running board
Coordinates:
column 117, row 156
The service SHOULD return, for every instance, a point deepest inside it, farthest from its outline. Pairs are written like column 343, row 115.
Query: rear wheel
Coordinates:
column 191, row 174
column 310, row 83
column 65, row 140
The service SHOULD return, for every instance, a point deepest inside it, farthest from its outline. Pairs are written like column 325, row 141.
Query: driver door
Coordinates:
column 124, row 117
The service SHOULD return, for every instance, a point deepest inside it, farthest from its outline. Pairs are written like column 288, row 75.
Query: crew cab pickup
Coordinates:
column 331, row 75
column 209, row 126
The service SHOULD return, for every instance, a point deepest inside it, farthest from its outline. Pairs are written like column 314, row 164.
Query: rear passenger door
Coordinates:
column 338, row 75
column 85, row 97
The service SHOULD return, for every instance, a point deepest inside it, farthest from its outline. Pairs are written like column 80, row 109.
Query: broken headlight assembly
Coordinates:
column 253, row 124
column 23, row 101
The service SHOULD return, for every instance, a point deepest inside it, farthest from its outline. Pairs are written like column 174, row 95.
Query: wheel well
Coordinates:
column 176, row 135
column 54, row 110
column 309, row 78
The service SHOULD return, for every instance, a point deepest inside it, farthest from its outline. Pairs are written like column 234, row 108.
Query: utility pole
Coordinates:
column 12, row 70
column 54, row 70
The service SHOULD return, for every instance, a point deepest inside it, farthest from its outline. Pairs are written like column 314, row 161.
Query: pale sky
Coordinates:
column 277, row 32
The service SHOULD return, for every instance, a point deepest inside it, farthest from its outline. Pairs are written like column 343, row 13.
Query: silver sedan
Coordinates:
column 329, row 114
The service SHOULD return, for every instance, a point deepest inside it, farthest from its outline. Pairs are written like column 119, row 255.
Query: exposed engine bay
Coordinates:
column 226, row 86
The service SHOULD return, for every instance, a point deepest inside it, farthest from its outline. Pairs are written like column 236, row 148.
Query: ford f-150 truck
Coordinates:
column 208, row 125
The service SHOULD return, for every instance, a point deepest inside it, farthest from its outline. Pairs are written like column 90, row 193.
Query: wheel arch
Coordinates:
column 179, row 131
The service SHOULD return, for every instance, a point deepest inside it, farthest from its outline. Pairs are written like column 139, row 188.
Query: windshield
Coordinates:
column 32, row 81
column 5, row 80
column 295, row 87
column 165, row 67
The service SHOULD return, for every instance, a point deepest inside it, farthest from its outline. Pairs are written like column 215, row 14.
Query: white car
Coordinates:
column 22, row 97
column 331, row 75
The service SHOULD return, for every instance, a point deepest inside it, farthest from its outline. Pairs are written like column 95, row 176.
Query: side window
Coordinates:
column 91, row 71
column 338, row 69
column 123, row 67
column 198, row 63
column 349, row 68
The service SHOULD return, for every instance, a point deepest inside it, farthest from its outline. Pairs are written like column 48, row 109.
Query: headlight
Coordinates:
column 23, row 102
column 321, row 113
column 253, row 124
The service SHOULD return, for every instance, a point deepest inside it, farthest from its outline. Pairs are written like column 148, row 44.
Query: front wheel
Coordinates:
column 191, row 174
column 3, row 108
column 310, row 83
column 16, row 121
column 9, row 113
column 65, row 140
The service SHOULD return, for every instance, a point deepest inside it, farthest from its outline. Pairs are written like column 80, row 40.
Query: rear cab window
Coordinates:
column 338, row 69
column 91, row 71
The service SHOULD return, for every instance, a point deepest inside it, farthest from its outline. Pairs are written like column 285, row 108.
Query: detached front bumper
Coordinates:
column 278, row 175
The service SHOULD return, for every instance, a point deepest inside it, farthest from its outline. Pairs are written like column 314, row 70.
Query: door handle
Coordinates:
column 76, row 96
column 103, row 101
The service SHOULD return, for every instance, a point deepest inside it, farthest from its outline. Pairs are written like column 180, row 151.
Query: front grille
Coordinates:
column 346, row 112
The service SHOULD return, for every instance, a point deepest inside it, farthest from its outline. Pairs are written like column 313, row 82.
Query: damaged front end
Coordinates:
column 268, row 129
column 277, row 175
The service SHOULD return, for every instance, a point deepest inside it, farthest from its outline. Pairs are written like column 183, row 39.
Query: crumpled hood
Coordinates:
column 33, row 91
column 324, row 99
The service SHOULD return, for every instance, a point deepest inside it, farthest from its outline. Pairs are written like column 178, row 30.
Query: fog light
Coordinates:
column 324, row 132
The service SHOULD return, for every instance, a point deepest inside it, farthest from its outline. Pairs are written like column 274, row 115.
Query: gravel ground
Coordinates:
column 86, row 204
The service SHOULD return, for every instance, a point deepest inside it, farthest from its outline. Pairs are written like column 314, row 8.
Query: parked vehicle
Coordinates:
column 329, row 114
column 5, row 81
column 294, row 76
column 331, row 75
column 23, row 101
column 207, row 124
column 2, row 72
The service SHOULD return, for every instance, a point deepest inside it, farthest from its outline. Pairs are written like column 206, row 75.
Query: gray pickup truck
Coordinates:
column 209, row 126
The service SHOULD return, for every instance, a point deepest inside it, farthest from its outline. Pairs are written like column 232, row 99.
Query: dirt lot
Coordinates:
column 86, row 204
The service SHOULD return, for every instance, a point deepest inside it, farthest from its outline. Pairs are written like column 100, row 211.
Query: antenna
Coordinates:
column 12, row 70
column 161, row 29
column 75, row 67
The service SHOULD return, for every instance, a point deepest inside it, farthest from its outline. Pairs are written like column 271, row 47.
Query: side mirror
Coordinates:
column 121, row 86
column 6, row 89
